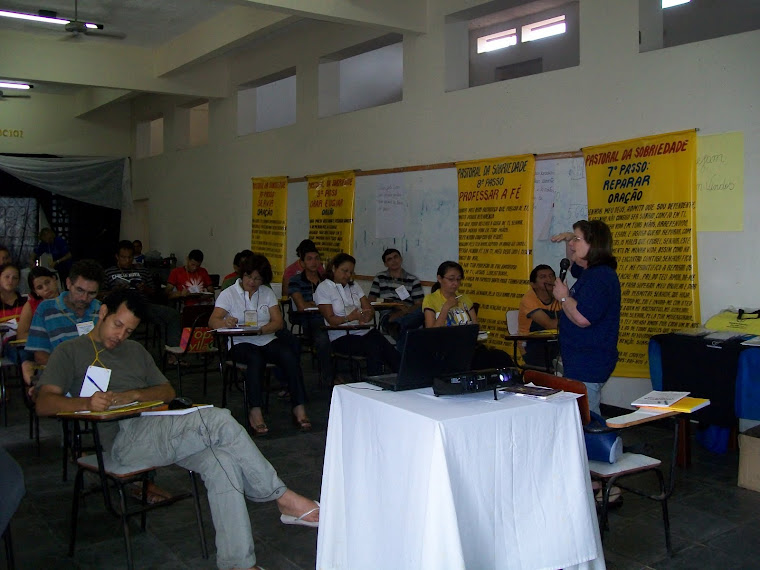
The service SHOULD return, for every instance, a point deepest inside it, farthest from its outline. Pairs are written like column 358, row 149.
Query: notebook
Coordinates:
column 428, row 353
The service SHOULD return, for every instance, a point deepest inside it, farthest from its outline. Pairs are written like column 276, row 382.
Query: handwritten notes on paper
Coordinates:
column 720, row 183
column 390, row 207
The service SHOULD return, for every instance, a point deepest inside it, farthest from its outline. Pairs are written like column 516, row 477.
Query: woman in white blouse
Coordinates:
column 342, row 302
column 247, row 302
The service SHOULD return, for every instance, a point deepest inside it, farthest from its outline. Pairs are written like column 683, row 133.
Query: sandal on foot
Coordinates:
column 304, row 424
column 260, row 429
column 288, row 519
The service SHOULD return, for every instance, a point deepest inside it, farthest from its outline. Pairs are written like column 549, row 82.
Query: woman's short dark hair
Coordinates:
column 259, row 263
column 34, row 273
column 599, row 238
column 442, row 269
column 337, row 261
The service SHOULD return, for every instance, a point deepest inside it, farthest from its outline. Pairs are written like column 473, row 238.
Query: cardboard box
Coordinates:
column 749, row 459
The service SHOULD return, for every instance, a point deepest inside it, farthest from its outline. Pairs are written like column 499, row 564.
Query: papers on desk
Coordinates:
column 659, row 399
column 123, row 409
column 686, row 405
column 483, row 335
column 236, row 329
column 754, row 341
column 180, row 412
column 311, row 309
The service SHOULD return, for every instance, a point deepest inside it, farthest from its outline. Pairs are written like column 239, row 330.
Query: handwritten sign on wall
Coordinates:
column 720, row 183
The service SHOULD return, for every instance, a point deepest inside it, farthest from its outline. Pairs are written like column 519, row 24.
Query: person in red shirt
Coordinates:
column 192, row 278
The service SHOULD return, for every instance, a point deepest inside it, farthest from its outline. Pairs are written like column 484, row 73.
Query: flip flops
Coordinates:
column 288, row 519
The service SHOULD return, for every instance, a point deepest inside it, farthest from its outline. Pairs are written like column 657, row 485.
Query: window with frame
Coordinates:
column 499, row 40
column 669, row 23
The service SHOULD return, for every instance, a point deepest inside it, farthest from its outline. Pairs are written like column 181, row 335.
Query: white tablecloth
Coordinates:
column 415, row 481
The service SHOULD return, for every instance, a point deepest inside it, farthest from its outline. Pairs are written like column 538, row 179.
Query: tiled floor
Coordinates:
column 715, row 524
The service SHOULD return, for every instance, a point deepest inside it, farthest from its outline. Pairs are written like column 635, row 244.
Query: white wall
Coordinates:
column 615, row 93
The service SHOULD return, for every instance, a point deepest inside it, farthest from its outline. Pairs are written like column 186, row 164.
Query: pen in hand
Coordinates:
column 95, row 384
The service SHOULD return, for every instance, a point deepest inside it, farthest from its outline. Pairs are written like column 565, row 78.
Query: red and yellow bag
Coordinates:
column 203, row 339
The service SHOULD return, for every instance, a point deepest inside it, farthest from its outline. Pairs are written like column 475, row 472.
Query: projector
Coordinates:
column 475, row 381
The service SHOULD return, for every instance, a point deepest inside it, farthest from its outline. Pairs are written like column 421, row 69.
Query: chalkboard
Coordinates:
column 427, row 200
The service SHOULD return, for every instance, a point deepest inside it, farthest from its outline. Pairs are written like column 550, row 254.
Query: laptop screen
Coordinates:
column 432, row 352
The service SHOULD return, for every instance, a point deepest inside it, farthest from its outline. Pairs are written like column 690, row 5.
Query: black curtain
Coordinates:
column 91, row 231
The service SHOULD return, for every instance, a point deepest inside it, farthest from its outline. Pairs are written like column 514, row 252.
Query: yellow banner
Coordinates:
column 645, row 190
column 331, row 213
column 496, row 236
column 269, row 221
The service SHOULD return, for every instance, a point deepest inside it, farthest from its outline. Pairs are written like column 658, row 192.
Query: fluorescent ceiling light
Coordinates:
column 33, row 18
column 671, row 3
column 43, row 19
column 7, row 85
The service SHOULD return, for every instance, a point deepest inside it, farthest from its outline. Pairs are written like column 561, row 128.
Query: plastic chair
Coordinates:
column 610, row 474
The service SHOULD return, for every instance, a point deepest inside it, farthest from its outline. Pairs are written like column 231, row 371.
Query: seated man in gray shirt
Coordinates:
column 209, row 441
column 396, row 285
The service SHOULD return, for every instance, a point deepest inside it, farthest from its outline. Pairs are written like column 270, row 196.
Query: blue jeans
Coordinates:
column 594, row 395
column 412, row 320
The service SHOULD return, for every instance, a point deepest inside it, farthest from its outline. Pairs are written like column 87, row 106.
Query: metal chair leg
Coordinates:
column 78, row 483
column 125, row 526
column 198, row 517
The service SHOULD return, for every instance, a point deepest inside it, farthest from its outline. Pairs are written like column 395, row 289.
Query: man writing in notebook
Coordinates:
column 208, row 441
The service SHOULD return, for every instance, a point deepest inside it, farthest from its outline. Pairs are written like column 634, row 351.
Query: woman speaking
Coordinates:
column 590, row 317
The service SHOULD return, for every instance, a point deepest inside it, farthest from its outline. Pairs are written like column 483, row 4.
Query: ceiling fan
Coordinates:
column 77, row 27
column 6, row 96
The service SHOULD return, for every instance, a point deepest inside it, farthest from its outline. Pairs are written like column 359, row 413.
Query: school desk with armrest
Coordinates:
column 109, row 471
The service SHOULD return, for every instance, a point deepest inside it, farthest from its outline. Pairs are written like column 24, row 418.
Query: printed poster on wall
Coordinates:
column 331, row 213
column 269, row 221
column 496, row 235
column 645, row 190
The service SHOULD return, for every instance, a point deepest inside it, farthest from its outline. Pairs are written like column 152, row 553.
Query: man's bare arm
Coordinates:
column 41, row 357
column 163, row 392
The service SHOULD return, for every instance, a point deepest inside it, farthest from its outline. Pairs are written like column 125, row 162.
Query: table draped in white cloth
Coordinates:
column 414, row 481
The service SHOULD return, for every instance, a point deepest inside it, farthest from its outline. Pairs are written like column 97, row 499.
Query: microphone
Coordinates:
column 563, row 267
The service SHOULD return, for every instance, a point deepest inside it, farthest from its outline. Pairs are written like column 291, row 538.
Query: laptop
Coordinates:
column 428, row 353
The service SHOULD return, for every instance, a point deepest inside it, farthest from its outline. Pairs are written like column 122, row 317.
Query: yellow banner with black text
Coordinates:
column 496, row 236
column 645, row 190
column 331, row 212
column 269, row 221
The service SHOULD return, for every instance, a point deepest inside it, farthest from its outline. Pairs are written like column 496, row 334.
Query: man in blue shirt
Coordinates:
column 71, row 314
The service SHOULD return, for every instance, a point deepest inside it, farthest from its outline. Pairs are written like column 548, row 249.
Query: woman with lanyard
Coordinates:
column 342, row 302
column 445, row 308
column 248, row 302
column 590, row 317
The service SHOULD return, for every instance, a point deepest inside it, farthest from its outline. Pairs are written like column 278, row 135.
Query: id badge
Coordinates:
column 402, row 293
column 96, row 379
column 251, row 318
column 85, row 327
